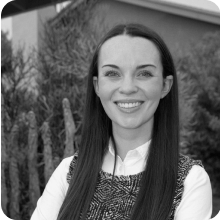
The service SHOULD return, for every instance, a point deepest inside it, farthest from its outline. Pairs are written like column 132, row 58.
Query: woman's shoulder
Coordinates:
column 68, row 160
column 193, row 187
column 193, row 183
column 191, row 170
column 187, row 167
column 186, row 164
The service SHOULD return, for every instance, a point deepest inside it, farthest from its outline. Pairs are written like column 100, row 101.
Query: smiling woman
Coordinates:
column 130, row 85
column 128, row 165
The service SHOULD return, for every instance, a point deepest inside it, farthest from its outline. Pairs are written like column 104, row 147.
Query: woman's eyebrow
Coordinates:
column 110, row 65
column 144, row 66
column 138, row 67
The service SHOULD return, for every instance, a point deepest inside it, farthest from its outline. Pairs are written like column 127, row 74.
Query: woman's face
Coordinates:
column 130, row 82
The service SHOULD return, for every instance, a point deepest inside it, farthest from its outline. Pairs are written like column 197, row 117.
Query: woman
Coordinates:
column 128, row 165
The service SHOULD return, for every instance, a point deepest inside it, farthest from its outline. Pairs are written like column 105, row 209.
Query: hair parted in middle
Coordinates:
column 158, row 183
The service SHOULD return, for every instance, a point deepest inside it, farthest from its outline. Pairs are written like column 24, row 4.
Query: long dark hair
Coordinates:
column 158, row 182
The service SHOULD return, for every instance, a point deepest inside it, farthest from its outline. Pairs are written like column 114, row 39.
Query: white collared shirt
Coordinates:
column 196, row 203
column 133, row 163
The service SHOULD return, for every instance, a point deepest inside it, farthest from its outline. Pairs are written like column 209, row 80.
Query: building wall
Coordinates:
column 177, row 31
column 27, row 34
column 27, row 28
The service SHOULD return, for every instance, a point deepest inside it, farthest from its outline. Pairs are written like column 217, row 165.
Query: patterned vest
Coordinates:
column 117, row 200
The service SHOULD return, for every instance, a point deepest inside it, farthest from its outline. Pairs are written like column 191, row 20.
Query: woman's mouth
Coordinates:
column 128, row 105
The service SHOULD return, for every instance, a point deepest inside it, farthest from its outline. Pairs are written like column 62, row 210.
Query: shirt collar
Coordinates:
column 141, row 151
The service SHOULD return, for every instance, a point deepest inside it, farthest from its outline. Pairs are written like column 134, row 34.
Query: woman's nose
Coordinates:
column 128, row 86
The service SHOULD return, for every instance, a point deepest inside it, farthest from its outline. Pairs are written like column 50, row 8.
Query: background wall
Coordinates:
column 177, row 31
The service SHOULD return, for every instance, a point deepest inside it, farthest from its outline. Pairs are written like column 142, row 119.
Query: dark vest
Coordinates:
column 116, row 200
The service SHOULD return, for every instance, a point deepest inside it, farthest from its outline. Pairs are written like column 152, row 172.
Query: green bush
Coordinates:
column 199, row 77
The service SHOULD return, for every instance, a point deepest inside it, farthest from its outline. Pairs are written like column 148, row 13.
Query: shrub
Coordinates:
column 199, row 76
column 64, row 58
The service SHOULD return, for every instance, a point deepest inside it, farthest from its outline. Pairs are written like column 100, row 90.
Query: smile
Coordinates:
column 128, row 105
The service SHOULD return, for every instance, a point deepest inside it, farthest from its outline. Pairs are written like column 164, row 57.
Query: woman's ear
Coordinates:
column 96, row 85
column 167, row 84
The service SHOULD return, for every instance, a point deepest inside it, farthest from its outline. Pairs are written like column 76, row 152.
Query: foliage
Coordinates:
column 64, row 58
column 18, row 85
column 200, row 104
column 18, row 97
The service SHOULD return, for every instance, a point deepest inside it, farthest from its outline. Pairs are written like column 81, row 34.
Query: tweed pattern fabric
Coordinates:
column 184, row 166
column 115, row 200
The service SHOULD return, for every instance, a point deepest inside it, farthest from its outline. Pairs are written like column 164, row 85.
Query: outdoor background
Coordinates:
column 46, row 50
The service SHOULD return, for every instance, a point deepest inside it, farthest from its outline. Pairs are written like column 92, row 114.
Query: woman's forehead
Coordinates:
column 128, row 48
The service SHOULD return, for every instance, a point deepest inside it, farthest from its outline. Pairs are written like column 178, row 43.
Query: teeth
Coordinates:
column 128, row 105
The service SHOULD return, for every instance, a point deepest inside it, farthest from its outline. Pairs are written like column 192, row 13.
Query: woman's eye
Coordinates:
column 111, row 73
column 145, row 74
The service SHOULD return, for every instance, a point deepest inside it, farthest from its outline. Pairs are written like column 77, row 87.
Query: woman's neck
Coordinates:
column 129, row 139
